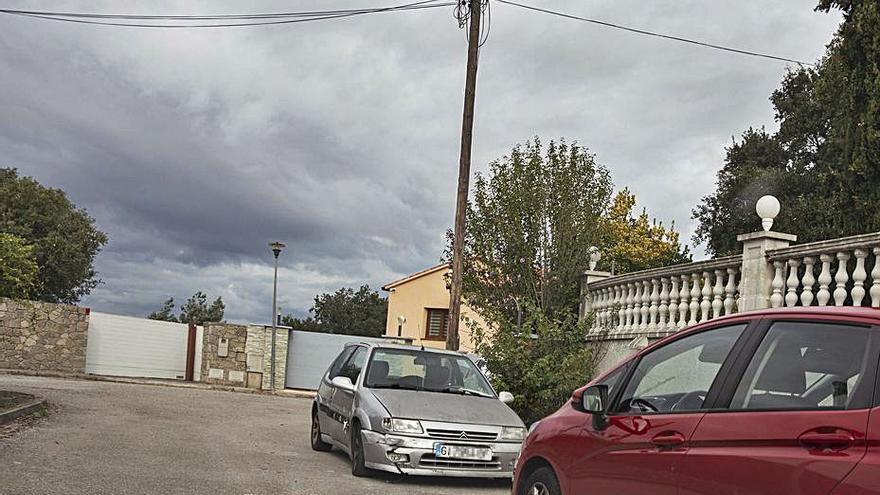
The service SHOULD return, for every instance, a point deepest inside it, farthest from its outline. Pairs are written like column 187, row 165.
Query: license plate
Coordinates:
column 442, row 450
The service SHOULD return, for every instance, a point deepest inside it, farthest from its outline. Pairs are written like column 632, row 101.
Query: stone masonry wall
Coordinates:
column 229, row 370
column 43, row 336
column 259, row 351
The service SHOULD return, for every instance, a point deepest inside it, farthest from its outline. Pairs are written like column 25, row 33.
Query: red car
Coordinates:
column 763, row 403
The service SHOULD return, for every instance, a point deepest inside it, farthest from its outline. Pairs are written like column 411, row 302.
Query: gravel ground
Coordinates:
column 113, row 438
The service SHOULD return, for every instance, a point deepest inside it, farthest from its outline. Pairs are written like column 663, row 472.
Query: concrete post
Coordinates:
column 757, row 273
column 587, row 278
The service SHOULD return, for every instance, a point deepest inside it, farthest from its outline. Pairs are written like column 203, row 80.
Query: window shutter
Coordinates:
column 438, row 323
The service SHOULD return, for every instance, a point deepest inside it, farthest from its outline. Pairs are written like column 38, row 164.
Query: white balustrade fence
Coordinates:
column 660, row 301
column 842, row 272
column 657, row 302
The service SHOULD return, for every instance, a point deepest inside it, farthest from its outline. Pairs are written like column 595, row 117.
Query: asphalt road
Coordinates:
column 113, row 438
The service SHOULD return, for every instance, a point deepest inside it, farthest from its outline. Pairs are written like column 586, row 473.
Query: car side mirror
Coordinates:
column 594, row 400
column 505, row 397
column 344, row 383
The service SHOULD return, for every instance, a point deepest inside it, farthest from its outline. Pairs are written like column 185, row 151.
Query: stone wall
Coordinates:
column 43, row 336
column 228, row 370
column 259, row 352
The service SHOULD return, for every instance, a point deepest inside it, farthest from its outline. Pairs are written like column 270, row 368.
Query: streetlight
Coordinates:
column 276, row 248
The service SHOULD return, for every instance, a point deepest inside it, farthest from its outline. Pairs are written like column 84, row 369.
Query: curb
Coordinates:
column 22, row 410
column 289, row 393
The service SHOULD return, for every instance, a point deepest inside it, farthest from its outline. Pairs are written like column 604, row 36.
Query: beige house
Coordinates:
column 421, row 302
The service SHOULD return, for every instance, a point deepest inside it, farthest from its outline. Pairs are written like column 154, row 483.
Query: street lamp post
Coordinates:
column 276, row 248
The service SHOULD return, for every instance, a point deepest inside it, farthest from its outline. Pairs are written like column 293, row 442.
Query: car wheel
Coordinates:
column 317, row 443
column 541, row 482
column 358, row 467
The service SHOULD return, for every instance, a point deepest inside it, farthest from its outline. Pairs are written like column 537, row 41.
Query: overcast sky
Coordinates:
column 195, row 148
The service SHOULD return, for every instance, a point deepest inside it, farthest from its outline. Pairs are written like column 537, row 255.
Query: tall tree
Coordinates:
column 346, row 311
column 824, row 162
column 197, row 311
column 165, row 313
column 532, row 222
column 64, row 238
column 18, row 268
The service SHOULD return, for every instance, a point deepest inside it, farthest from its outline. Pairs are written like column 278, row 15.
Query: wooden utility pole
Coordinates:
column 464, row 172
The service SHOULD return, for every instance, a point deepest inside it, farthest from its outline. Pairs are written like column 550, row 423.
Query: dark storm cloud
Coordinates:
column 192, row 149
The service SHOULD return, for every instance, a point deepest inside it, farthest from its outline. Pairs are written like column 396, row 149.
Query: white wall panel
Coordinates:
column 309, row 354
column 138, row 347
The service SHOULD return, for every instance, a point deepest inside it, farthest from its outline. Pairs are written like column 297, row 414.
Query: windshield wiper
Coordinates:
column 458, row 390
column 394, row 385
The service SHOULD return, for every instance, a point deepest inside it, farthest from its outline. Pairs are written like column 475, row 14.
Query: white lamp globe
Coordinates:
column 767, row 208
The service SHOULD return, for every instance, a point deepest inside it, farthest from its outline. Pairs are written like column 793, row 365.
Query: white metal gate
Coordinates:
column 309, row 354
column 138, row 347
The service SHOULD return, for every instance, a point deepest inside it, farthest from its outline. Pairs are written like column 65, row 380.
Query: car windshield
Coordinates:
column 425, row 370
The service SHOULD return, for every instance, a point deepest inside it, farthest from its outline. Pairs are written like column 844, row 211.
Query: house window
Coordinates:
column 438, row 324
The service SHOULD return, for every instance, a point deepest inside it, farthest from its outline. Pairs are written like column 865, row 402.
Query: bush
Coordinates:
column 541, row 365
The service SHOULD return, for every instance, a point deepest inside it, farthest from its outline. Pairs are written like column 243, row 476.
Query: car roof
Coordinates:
column 384, row 345
column 834, row 311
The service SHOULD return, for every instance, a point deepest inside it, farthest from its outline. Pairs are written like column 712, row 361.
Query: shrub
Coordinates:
column 541, row 363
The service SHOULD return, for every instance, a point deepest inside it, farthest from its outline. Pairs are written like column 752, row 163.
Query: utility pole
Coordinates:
column 464, row 172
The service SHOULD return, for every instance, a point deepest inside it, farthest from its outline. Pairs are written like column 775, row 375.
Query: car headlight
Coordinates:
column 398, row 425
column 514, row 433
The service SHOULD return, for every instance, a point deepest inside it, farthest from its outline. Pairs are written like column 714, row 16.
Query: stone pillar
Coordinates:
column 259, row 352
column 757, row 273
column 587, row 278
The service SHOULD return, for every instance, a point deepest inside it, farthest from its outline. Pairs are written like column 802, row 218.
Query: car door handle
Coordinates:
column 667, row 439
column 837, row 439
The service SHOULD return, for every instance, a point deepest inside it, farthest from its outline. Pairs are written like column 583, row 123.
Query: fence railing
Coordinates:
column 769, row 274
column 660, row 301
column 823, row 273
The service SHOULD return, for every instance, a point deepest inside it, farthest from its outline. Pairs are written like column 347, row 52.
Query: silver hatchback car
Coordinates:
column 409, row 410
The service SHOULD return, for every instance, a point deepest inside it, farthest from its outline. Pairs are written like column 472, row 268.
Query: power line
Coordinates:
column 278, row 17
column 651, row 33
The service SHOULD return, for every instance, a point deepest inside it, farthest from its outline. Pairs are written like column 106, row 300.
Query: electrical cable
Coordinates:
column 462, row 13
column 297, row 17
column 651, row 33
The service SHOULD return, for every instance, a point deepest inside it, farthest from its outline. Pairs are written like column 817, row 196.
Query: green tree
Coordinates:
column 307, row 324
column 18, row 268
column 166, row 313
column 346, row 311
column 540, row 372
column 64, row 238
column 824, row 162
column 197, row 311
column 531, row 224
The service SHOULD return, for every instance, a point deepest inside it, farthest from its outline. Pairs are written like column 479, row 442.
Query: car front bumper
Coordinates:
column 421, row 461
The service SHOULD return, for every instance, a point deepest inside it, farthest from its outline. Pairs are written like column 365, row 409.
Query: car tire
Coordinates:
column 315, row 434
column 542, row 481
column 358, row 464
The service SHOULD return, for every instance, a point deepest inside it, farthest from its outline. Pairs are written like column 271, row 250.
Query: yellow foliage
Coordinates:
column 635, row 242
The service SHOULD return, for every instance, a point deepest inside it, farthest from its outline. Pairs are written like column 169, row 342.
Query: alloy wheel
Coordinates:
column 316, row 428
column 538, row 488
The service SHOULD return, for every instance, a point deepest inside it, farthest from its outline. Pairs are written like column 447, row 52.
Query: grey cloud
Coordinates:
column 194, row 148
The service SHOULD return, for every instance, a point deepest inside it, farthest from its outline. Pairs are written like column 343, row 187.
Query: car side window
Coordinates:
column 677, row 377
column 613, row 380
column 336, row 367
column 803, row 366
column 352, row 368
